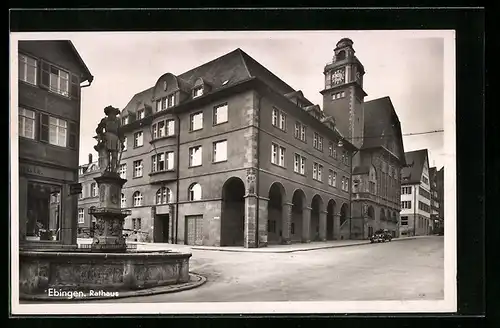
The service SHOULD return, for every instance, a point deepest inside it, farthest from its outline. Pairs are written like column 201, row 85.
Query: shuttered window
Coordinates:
column 59, row 81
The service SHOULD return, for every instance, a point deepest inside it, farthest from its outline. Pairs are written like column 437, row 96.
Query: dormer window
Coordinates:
column 140, row 114
column 125, row 120
column 165, row 102
column 198, row 91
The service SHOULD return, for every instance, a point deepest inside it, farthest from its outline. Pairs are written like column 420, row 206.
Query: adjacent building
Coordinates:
column 440, row 193
column 436, row 220
column 51, row 74
column 416, row 195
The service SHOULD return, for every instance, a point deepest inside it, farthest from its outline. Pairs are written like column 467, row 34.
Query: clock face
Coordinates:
column 338, row 76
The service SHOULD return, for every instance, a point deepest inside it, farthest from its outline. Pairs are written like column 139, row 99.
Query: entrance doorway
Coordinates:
column 162, row 228
column 330, row 217
column 194, row 230
column 233, row 213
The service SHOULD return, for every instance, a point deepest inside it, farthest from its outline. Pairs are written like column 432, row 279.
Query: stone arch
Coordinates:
column 317, row 207
column 330, row 219
column 299, row 203
column 232, row 212
column 277, row 197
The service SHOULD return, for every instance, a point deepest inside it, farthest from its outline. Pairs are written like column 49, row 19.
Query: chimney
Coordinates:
column 90, row 158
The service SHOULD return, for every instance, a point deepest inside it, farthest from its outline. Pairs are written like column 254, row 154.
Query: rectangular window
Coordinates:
column 154, row 129
column 296, row 132
column 220, row 151
column 196, row 122
column 171, row 100
column 343, row 183
column 300, row 131
column 59, row 81
column 57, row 130
column 275, row 117
column 277, row 155
column 197, row 92
column 158, row 105
column 94, row 190
column 158, row 162
column 330, row 177
column 138, row 169
column 282, row 121
column 299, row 165
column 303, row 133
column 315, row 171
column 320, row 172
column 406, row 204
column 170, row 125
column 123, row 171
column 161, row 129
column 220, row 114
column 141, row 114
column 372, row 187
column 330, row 149
column 27, row 69
column 81, row 216
column 124, row 143
column 318, row 141
column 164, row 103
column 170, row 160
column 334, row 179
column 138, row 139
column 347, row 184
column 195, row 156
column 26, row 123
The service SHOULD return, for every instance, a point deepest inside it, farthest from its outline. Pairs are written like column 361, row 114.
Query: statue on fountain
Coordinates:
column 109, row 140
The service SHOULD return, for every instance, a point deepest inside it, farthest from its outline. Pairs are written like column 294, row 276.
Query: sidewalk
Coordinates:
column 270, row 248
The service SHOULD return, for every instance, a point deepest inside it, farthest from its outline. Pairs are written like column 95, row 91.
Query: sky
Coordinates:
column 406, row 66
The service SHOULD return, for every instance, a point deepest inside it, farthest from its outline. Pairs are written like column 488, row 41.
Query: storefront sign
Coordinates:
column 58, row 174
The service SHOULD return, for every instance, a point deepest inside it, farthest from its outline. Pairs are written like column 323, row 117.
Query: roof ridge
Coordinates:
column 241, row 52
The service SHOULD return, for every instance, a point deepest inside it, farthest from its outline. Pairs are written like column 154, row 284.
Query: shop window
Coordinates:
column 43, row 215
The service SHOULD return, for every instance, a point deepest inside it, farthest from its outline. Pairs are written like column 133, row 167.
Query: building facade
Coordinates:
column 375, row 130
column 416, row 195
column 436, row 220
column 229, row 154
column 50, row 76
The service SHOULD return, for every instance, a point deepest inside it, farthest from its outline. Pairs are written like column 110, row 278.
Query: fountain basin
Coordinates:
column 109, row 272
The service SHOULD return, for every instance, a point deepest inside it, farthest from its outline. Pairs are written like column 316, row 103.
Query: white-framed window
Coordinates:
column 346, row 184
column 94, row 190
column 220, row 114
column 299, row 164
column 28, row 68
column 334, row 179
column 282, row 125
column 123, row 171
column 136, row 224
column 169, row 158
column 138, row 139
column 318, row 141
column 81, row 216
column 59, row 81
column 220, row 151
column 194, row 192
column 331, row 148
column 137, row 198
column 26, row 123
column 317, row 171
column 58, row 131
column 275, row 116
column 158, row 162
column 171, row 100
column 303, row 133
column 278, row 154
column 163, row 196
column 170, row 127
column 343, row 183
column 125, row 120
column 198, row 91
column 406, row 204
column 141, row 114
column 330, row 177
column 138, row 168
column 300, row 131
column 406, row 190
column 195, row 156
column 196, row 121
column 123, row 201
column 125, row 141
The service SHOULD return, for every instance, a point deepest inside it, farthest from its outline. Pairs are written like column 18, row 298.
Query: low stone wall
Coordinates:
column 84, row 271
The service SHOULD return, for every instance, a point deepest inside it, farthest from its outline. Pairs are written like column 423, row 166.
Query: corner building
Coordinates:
column 229, row 154
column 50, row 76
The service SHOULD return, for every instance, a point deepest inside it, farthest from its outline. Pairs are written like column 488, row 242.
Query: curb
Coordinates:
column 195, row 280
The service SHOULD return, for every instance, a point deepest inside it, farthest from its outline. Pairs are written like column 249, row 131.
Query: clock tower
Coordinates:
column 343, row 95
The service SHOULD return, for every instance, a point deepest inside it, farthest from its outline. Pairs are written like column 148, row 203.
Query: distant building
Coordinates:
column 440, row 190
column 88, row 198
column 416, row 195
column 435, row 202
column 50, row 76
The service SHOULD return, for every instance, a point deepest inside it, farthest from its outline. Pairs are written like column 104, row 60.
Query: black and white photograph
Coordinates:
column 233, row 172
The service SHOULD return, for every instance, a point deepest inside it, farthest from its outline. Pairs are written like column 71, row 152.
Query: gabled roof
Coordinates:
column 382, row 125
column 87, row 76
column 412, row 172
column 144, row 97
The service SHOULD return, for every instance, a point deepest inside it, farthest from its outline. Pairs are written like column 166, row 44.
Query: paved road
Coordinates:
column 404, row 270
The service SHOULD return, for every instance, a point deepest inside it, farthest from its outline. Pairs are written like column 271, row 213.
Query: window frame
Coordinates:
column 224, row 105
column 191, row 121
column 214, row 154
column 136, row 144
column 191, row 156
column 134, row 174
column 25, row 66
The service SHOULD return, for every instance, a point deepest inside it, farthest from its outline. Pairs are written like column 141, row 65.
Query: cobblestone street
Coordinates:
column 403, row 270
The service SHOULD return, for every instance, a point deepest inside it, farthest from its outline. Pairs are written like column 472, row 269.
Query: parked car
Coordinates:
column 381, row 236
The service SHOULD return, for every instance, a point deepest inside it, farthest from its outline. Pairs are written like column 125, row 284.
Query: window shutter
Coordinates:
column 75, row 86
column 45, row 74
column 73, row 133
column 44, row 127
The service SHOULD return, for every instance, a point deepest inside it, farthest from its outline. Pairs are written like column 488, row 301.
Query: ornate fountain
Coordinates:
column 108, row 266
